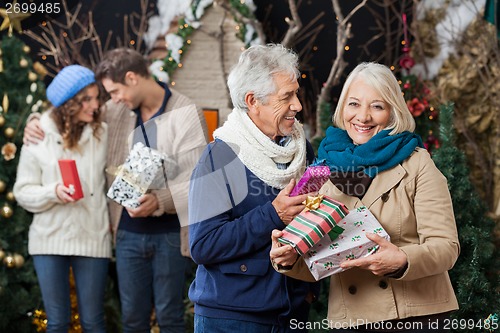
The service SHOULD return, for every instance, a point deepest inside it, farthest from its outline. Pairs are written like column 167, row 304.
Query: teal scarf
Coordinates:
column 381, row 152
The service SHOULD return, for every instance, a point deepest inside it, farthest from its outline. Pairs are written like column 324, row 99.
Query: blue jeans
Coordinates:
column 90, row 281
column 204, row 324
column 151, row 272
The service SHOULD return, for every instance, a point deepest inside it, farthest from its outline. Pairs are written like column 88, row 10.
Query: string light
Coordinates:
column 65, row 34
column 132, row 42
column 188, row 41
column 180, row 51
column 392, row 68
column 315, row 48
column 179, row 65
column 44, row 57
column 303, row 76
column 347, row 48
column 173, row 83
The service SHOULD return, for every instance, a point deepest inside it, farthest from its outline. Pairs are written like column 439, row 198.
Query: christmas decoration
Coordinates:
column 18, row 260
column 9, row 151
column 9, row 261
column 23, row 63
column 10, row 196
column 6, row 211
column 9, row 132
column 12, row 20
column 21, row 293
column 475, row 274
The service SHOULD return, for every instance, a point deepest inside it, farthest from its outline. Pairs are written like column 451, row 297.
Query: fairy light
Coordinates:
column 44, row 57
column 65, row 34
column 170, row 59
column 303, row 76
column 347, row 48
column 315, row 48
column 188, row 41
column 392, row 68
column 173, row 83
column 179, row 65
column 132, row 42
column 180, row 51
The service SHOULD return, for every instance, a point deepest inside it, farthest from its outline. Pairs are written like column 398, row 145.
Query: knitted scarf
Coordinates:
column 259, row 153
column 381, row 152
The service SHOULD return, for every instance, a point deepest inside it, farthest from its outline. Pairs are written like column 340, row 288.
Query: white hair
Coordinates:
column 380, row 78
column 255, row 72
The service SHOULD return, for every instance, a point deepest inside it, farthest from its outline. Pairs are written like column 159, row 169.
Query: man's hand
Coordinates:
column 149, row 204
column 389, row 258
column 288, row 207
column 33, row 133
column 281, row 254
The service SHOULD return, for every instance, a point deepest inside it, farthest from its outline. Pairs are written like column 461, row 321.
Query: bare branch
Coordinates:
column 294, row 25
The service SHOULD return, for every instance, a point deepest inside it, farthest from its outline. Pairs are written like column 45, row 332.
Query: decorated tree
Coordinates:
column 476, row 273
column 21, row 92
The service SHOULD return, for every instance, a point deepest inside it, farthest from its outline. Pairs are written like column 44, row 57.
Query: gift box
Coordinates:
column 312, row 180
column 320, row 217
column 325, row 257
column 136, row 175
column 70, row 178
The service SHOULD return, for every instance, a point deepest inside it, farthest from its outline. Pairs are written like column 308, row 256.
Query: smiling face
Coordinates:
column 123, row 93
column 89, row 104
column 276, row 117
column 365, row 112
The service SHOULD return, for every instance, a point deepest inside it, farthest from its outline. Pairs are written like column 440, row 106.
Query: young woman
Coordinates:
column 68, row 233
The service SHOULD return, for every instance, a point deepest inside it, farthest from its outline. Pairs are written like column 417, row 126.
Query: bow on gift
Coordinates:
column 312, row 203
column 132, row 179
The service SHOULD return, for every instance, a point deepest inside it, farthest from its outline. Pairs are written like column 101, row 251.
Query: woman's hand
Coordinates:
column 64, row 193
column 388, row 258
column 281, row 254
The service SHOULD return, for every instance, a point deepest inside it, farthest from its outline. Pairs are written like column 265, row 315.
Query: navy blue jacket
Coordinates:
column 231, row 219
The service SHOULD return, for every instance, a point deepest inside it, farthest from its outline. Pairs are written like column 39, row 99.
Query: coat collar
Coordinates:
column 380, row 185
column 383, row 183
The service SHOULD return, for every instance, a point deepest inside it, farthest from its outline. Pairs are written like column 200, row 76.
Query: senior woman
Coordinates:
column 239, row 194
column 377, row 161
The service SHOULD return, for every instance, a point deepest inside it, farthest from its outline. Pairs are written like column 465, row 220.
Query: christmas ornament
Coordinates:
column 10, row 196
column 32, row 76
column 26, row 49
column 33, row 86
column 18, row 260
column 40, row 69
column 2, row 120
column 9, row 151
column 29, row 99
column 5, row 103
column 9, row 261
column 6, row 211
column 9, row 132
column 23, row 63
column 12, row 20
column 2, row 186
column 35, row 108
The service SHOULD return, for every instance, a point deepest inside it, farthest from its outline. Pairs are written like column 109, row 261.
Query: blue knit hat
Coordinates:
column 67, row 83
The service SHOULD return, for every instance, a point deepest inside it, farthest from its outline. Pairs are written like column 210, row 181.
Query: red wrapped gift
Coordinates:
column 70, row 178
column 311, row 180
column 318, row 219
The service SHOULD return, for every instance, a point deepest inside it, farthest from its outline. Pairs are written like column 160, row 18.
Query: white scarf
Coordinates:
column 259, row 153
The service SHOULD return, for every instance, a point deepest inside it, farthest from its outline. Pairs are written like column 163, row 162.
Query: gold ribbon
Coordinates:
column 312, row 203
column 127, row 176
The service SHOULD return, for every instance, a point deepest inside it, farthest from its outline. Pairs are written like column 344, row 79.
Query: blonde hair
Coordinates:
column 380, row 78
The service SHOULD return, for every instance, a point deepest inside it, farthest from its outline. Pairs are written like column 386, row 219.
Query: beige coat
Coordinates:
column 181, row 135
column 413, row 204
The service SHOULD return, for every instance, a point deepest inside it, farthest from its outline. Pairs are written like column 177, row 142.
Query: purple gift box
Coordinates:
column 312, row 180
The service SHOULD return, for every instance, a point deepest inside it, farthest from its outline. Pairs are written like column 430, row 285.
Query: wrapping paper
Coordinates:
column 312, row 180
column 324, row 258
column 320, row 217
column 69, row 174
column 136, row 175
